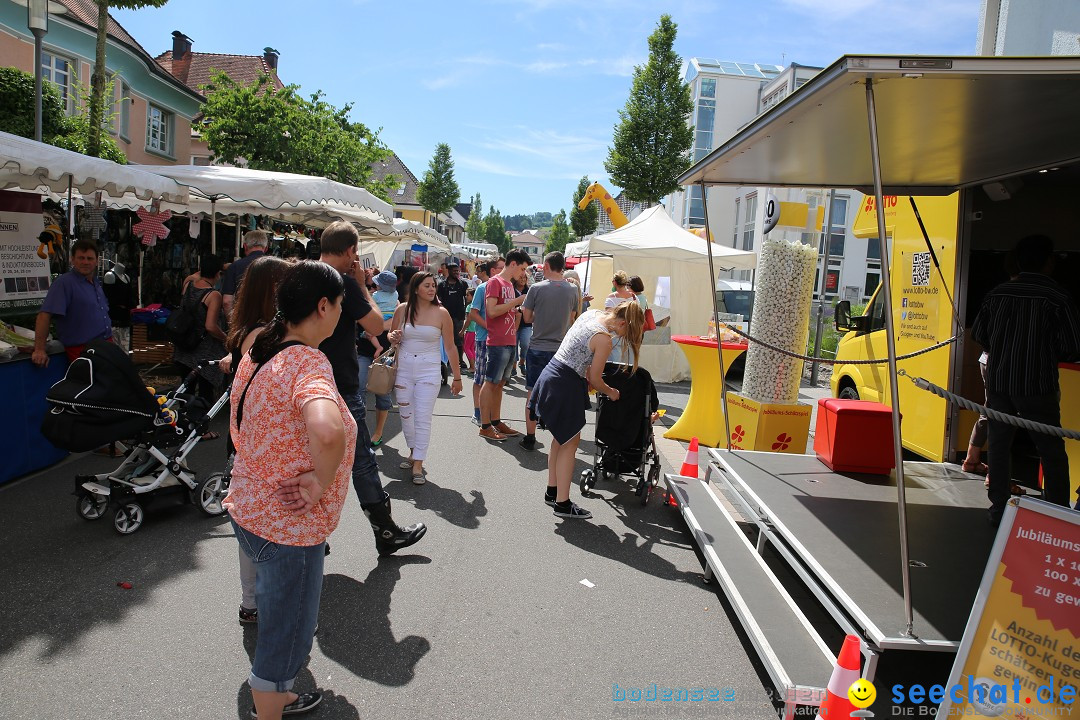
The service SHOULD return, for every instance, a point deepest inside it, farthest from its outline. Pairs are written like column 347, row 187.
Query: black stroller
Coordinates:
column 101, row 399
column 624, row 445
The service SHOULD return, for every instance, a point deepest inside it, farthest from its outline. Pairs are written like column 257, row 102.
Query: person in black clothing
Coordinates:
column 338, row 247
column 451, row 294
column 255, row 244
column 120, row 293
column 1027, row 326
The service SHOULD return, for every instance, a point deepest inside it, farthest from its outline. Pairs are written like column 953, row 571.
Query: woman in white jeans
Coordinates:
column 418, row 326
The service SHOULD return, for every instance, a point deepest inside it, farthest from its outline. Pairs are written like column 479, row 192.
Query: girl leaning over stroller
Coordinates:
column 560, row 396
column 290, row 478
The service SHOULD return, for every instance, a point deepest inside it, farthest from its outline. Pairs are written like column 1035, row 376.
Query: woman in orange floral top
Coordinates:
column 294, row 439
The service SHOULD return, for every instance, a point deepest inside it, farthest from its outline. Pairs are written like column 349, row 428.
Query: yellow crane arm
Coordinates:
column 597, row 192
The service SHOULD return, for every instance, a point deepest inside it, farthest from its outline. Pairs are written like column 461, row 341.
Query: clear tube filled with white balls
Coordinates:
column 784, row 288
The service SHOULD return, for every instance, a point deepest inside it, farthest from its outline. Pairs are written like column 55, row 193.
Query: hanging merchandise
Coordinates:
column 93, row 220
column 195, row 226
column 151, row 226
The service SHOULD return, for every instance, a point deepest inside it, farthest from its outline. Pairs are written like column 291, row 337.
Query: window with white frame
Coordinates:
column 60, row 72
column 123, row 117
column 735, row 237
column 748, row 222
column 158, row 130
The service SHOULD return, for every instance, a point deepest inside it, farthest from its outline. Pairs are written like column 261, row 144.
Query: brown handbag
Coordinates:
column 381, row 374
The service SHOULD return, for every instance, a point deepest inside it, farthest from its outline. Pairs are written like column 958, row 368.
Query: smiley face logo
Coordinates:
column 862, row 693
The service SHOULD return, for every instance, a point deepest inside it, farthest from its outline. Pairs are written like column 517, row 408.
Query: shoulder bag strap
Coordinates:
column 243, row 395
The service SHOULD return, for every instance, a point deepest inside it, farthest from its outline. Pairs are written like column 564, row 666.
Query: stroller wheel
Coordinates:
column 210, row 492
column 654, row 474
column 91, row 507
column 588, row 478
column 128, row 519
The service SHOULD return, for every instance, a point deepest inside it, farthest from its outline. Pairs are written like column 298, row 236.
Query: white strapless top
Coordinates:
column 421, row 340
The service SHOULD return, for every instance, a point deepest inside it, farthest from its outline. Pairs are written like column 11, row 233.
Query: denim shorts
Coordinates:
column 382, row 402
column 500, row 363
column 288, row 585
column 535, row 362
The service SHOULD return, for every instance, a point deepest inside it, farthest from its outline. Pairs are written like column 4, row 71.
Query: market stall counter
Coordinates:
column 704, row 414
column 23, row 386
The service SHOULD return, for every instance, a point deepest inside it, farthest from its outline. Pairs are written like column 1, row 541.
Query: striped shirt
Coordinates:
column 1027, row 325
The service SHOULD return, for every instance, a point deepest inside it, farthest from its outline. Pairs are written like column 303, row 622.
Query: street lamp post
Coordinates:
column 37, row 20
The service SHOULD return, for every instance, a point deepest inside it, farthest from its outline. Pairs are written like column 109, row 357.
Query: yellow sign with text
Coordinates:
column 771, row 427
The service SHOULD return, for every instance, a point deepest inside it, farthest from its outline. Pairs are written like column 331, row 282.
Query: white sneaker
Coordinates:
column 476, row 421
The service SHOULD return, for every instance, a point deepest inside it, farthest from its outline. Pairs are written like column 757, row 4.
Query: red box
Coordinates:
column 854, row 436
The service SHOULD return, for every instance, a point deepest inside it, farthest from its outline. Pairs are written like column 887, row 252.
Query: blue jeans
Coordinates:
column 288, row 586
column 535, row 362
column 365, row 471
column 524, row 336
column 382, row 402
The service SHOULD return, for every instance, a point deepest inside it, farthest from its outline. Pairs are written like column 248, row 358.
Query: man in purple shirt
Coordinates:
column 77, row 301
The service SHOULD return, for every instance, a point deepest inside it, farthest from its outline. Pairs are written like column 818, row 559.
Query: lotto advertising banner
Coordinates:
column 1020, row 657
column 24, row 276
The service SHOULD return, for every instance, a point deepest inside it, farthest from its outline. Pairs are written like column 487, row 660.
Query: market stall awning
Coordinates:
column 943, row 123
column 412, row 230
column 30, row 165
column 273, row 190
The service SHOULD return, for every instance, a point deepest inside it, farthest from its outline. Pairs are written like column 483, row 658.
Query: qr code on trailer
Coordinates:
column 920, row 269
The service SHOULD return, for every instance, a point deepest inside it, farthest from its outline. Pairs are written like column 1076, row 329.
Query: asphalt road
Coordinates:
column 487, row 617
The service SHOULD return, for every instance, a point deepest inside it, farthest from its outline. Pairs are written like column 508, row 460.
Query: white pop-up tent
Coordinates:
column 666, row 257
column 389, row 249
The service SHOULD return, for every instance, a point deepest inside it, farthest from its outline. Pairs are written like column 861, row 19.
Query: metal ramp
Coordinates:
column 793, row 653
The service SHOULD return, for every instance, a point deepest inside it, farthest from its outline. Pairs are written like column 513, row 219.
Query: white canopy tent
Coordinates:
column 388, row 248
column 30, row 165
column 287, row 196
column 665, row 256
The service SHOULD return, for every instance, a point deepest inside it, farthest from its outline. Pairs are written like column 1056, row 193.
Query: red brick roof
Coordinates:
column 244, row 69
column 85, row 12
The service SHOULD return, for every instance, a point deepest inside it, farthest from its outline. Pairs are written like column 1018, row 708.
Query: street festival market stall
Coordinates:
column 26, row 272
column 411, row 243
column 673, row 265
column 914, row 126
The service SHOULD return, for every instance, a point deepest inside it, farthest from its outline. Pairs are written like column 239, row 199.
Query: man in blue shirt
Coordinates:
column 77, row 301
column 255, row 243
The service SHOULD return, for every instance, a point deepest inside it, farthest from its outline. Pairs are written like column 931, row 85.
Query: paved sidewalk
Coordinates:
column 487, row 618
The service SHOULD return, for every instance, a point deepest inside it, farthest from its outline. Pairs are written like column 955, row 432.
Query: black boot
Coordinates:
column 389, row 536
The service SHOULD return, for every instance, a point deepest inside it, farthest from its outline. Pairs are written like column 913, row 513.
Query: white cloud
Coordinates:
column 484, row 165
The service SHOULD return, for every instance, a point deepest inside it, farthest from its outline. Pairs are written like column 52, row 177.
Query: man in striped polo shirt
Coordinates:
column 1027, row 326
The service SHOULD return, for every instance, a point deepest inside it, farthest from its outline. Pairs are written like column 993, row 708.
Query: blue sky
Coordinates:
column 527, row 92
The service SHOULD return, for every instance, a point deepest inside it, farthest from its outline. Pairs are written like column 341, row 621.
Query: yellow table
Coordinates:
column 704, row 414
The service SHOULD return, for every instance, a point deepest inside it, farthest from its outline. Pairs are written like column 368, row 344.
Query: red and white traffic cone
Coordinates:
column 836, row 704
column 690, row 464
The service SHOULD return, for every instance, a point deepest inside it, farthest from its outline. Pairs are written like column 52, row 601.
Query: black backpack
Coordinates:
column 185, row 327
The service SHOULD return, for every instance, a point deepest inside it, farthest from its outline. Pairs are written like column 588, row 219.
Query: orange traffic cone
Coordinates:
column 846, row 672
column 690, row 466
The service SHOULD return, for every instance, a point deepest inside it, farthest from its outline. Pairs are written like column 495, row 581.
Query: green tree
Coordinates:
column 583, row 222
column 17, row 105
column 652, row 142
column 474, row 224
column 280, row 130
column 57, row 128
column 98, row 82
column 560, row 234
column 439, row 191
column 495, row 231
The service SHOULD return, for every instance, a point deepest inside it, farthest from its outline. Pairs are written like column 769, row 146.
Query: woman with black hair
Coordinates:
column 202, row 298
column 295, row 439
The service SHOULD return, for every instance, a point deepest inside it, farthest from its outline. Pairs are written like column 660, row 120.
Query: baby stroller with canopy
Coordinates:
column 101, row 399
column 625, row 446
